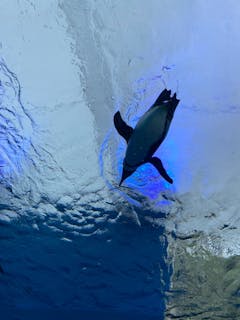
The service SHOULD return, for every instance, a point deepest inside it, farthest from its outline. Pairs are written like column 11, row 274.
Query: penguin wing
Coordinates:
column 122, row 128
column 157, row 163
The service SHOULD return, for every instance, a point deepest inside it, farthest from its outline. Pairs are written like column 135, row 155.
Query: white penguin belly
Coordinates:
column 148, row 131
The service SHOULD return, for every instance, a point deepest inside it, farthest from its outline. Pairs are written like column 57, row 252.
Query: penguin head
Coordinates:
column 125, row 174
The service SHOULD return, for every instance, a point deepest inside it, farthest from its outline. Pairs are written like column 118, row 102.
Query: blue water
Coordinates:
column 72, row 315
column 119, row 275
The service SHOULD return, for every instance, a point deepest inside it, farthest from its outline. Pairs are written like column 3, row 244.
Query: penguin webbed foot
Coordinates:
column 175, row 101
column 164, row 95
column 157, row 163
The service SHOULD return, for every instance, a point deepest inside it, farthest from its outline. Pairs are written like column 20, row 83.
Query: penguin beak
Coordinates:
column 122, row 179
column 125, row 174
column 120, row 182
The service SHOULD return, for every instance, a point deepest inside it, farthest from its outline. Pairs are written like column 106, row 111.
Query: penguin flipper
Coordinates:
column 122, row 128
column 157, row 163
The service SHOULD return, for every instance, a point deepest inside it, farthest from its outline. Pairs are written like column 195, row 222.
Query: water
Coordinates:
column 125, row 270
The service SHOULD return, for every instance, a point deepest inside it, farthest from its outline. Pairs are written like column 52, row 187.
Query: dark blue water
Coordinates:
column 72, row 315
column 121, row 274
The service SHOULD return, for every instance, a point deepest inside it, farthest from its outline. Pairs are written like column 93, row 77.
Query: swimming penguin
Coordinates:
column 149, row 133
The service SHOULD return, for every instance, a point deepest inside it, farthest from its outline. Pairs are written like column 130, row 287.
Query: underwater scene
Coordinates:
column 119, row 159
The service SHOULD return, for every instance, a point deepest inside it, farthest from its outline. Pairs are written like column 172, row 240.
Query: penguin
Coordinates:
column 147, row 136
